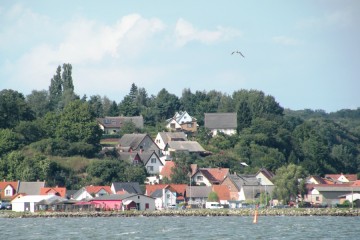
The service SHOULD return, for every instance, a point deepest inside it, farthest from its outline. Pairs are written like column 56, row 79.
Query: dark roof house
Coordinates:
column 221, row 122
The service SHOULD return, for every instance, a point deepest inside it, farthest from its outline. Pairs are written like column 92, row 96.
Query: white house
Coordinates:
column 162, row 138
column 164, row 198
column 28, row 203
column 151, row 162
column 221, row 122
column 182, row 121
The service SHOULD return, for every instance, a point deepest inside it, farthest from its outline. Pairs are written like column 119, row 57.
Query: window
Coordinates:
column 199, row 178
column 153, row 160
column 317, row 199
column 8, row 192
column 189, row 125
column 172, row 125
column 150, row 168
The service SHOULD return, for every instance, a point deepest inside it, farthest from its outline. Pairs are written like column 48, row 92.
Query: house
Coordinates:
column 223, row 193
column 30, row 188
column 166, row 170
column 124, row 202
column 198, row 195
column 8, row 190
column 328, row 194
column 151, row 161
column 164, row 198
column 33, row 203
column 182, row 122
column 341, row 178
column 125, row 187
column 89, row 192
column 317, row 180
column 244, row 187
column 130, row 157
column 162, row 138
column 209, row 176
column 112, row 125
column 221, row 122
column 137, row 143
column 265, row 177
column 58, row 191
column 192, row 147
column 166, row 194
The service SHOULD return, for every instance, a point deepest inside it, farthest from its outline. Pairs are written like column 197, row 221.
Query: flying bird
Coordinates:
column 238, row 52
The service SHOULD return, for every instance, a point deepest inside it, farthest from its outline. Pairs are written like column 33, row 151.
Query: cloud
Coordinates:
column 82, row 42
column 185, row 32
column 283, row 40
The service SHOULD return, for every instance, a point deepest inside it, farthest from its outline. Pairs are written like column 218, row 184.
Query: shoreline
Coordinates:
column 345, row 212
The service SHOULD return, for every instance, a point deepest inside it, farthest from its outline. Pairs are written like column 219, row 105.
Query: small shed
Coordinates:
column 32, row 203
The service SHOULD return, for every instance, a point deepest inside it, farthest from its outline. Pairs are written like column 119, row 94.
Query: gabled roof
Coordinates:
column 268, row 174
column 31, row 188
column 190, row 146
column 128, row 187
column 129, row 156
column 198, row 191
column 3, row 185
column 214, row 175
column 178, row 188
column 318, row 179
column 222, row 191
column 179, row 115
column 243, row 180
column 220, row 120
column 166, row 171
column 60, row 191
column 336, row 177
column 172, row 136
column 117, row 122
column 95, row 189
column 132, row 140
column 145, row 156
column 158, row 193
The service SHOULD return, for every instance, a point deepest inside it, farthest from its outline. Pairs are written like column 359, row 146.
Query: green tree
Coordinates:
column 213, row 197
column 77, row 124
column 106, row 171
column 13, row 109
column 9, row 141
column 287, row 182
column 67, row 81
column 30, row 131
column 135, row 174
column 55, row 89
column 39, row 102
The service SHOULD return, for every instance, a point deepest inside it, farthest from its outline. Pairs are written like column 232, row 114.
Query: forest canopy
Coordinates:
column 53, row 134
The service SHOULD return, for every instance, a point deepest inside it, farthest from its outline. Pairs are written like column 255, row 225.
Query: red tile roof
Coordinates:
column 222, row 191
column 178, row 188
column 166, row 171
column 96, row 189
column 217, row 173
column 356, row 183
column 4, row 184
column 350, row 177
column 60, row 191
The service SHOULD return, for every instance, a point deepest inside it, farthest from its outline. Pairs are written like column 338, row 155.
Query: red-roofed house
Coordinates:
column 166, row 195
column 8, row 190
column 209, row 176
column 166, row 170
column 223, row 193
column 58, row 191
column 342, row 178
column 89, row 192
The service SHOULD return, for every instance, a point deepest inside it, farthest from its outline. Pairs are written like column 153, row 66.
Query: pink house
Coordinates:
column 124, row 202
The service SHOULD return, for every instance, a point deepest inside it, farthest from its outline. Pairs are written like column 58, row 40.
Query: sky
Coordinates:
column 306, row 54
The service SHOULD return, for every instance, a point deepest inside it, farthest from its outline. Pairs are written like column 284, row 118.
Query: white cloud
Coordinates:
column 283, row 40
column 185, row 32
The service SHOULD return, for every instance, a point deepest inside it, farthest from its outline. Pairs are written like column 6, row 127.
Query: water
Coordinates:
column 181, row 228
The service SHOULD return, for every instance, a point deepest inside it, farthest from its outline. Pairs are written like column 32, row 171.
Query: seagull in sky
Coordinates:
column 238, row 52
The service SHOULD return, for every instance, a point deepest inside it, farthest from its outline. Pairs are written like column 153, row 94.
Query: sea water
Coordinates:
column 268, row 227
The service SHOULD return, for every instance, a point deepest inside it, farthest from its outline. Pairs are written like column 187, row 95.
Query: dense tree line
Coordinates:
column 57, row 123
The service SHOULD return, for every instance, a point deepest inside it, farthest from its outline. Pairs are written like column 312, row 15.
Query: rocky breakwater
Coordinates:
column 190, row 212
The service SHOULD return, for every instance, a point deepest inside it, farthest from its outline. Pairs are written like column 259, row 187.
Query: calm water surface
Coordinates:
column 181, row 228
